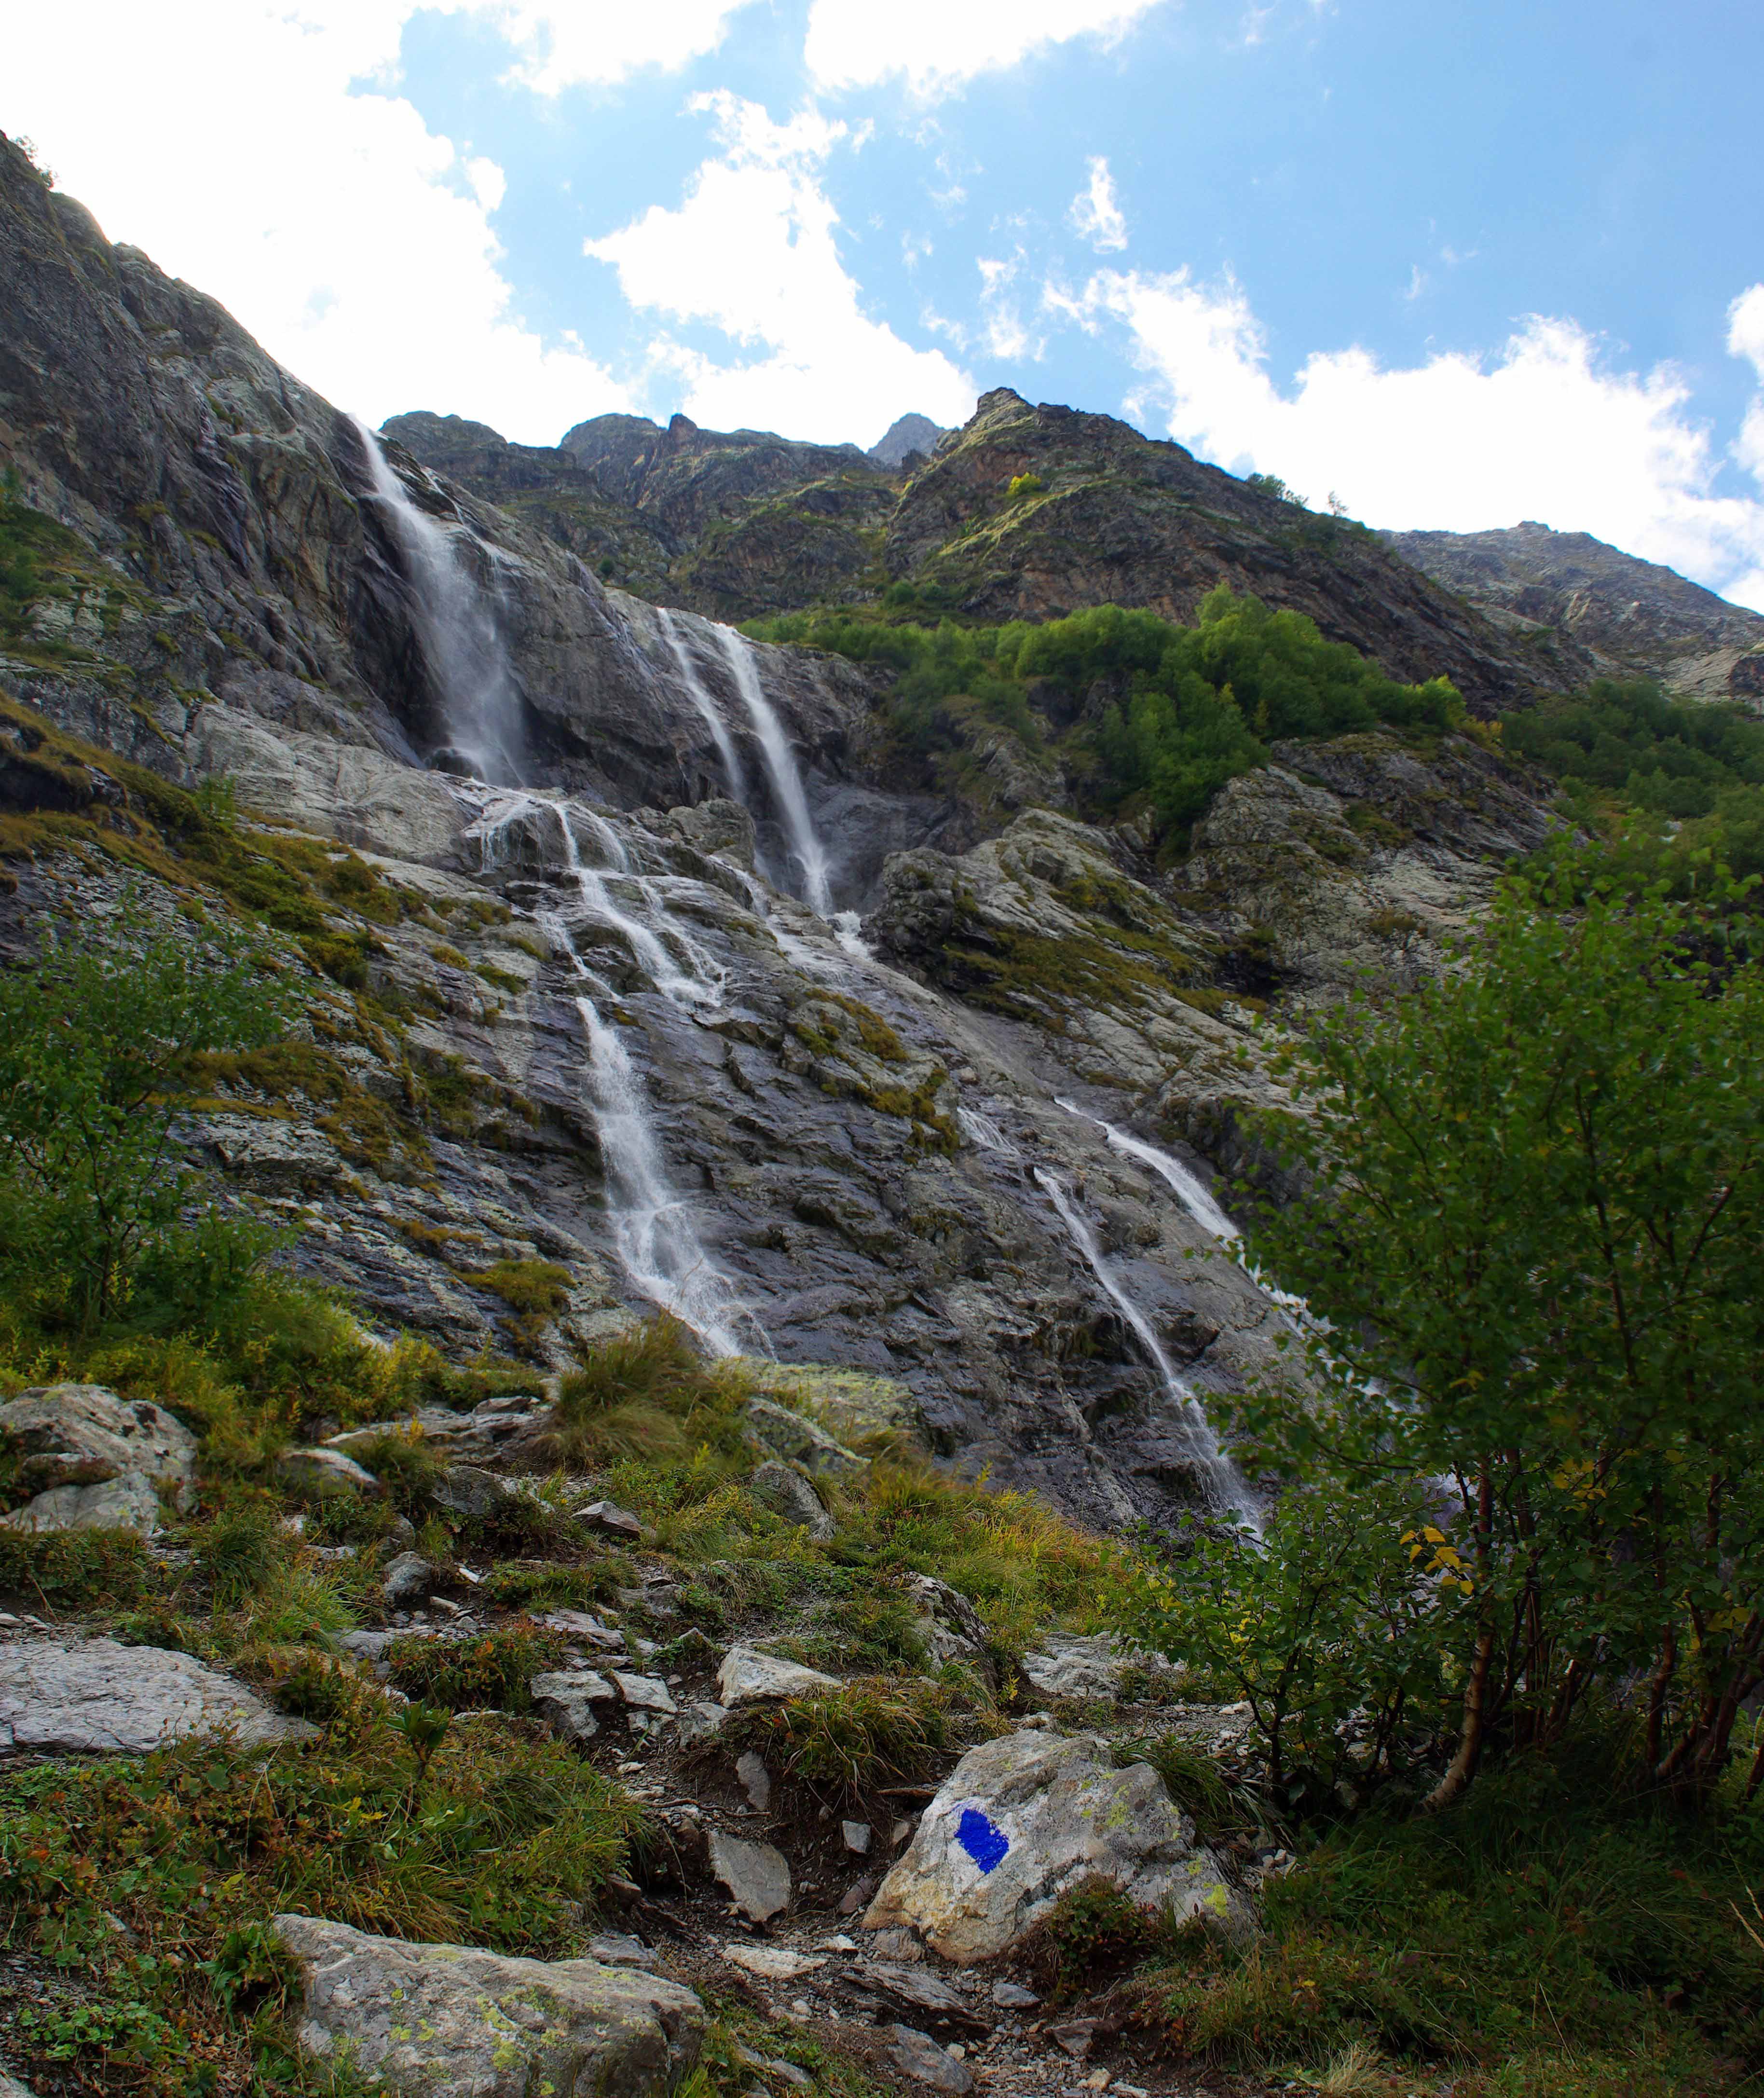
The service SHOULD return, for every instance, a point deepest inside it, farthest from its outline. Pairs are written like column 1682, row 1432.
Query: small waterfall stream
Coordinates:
column 461, row 646
column 653, row 1231
column 1221, row 1475
column 783, row 771
column 699, row 694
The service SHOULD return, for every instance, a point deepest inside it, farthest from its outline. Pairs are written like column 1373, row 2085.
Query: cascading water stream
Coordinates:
column 699, row 694
column 1221, row 1475
column 461, row 645
column 1192, row 1192
column 782, row 770
column 653, row 1231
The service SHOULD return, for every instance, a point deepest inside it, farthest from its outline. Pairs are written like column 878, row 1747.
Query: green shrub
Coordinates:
column 865, row 1734
column 489, row 1669
column 78, row 1570
column 99, row 1046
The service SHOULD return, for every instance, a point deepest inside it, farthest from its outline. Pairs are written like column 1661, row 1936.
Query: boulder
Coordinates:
column 96, row 1698
column 325, row 1471
column 788, row 1494
column 948, row 1623
column 747, row 1676
column 757, row 1876
column 1069, row 1664
column 566, row 1698
column 858, row 1407
column 469, row 1493
column 645, row 1693
column 407, row 1580
column 701, row 1721
column 611, row 1521
column 798, row 1440
column 917, row 2055
column 82, row 1434
column 128, row 1502
column 1022, row 1819
column 453, row 2021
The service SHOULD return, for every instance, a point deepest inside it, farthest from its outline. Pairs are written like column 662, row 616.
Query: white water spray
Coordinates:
column 1227, row 1485
column 782, row 770
column 461, row 646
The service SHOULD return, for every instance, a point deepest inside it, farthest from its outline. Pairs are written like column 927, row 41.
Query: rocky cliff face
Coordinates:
column 596, row 1037
column 1605, row 611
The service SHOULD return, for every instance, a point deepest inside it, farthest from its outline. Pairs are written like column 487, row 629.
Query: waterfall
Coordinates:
column 781, row 769
column 653, row 1232
column 1188, row 1188
column 700, row 695
column 461, row 646
column 1227, row 1485
column 983, row 1132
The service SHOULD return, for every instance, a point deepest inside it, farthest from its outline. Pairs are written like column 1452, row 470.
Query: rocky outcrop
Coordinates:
column 1023, row 1818
column 95, row 1697
column 908, row 441
column 453, row 2021
column 1599, row 610
column 96, row 1461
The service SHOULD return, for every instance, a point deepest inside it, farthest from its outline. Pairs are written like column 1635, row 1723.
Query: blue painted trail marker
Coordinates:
column 986, row 1844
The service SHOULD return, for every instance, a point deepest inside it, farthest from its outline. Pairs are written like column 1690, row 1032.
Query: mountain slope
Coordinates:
column 1634, row 618
column 740, row 524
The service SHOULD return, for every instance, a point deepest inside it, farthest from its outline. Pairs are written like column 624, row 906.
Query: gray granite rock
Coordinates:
column 757, row 1876
column 325, row 1471
column 799, row 1440
column 747, row 1676
column 1022, row 1819
column 83, row 1434
column 406, row 1581
column 566, row 1698
column 644, row 1694
column 701, row 1721
column 127, row 1503
column 917, row 2055
column 787, row 1492
column 418, row 2021
column 96, row 1698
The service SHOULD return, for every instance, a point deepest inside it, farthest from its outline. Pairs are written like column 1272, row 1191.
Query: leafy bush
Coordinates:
column 1092, row 1933
column 98, row 1045
column 1167, row 714
column 1539, row 1191
column 1536, row 1918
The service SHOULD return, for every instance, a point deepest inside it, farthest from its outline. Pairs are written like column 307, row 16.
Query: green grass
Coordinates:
column 1540, row 1922
column 504, row 1844
column 870, row 1733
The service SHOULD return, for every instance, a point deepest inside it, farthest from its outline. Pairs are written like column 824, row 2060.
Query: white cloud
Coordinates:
column 1546, row 427
column 752, row 250
column 936, row 45
column 576, row 44
column 1095, row 215
column 222, row 136
column 1745, row 338
column 1008, row 336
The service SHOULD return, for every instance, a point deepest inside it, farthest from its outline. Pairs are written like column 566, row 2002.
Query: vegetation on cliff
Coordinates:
column 1149, row 714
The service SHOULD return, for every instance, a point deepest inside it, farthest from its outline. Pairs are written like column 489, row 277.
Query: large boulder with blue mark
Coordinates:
column 1025, row 1817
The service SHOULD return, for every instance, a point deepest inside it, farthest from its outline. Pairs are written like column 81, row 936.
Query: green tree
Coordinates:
column 99, row 1043
column 1533, row 1243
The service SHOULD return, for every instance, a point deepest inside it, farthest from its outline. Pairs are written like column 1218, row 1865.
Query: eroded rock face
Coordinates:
column 1022, row 1819
column 95, row 1697
column 452, row 2021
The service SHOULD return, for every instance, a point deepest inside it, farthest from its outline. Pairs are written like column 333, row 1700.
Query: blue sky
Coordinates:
column 1455, row 265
